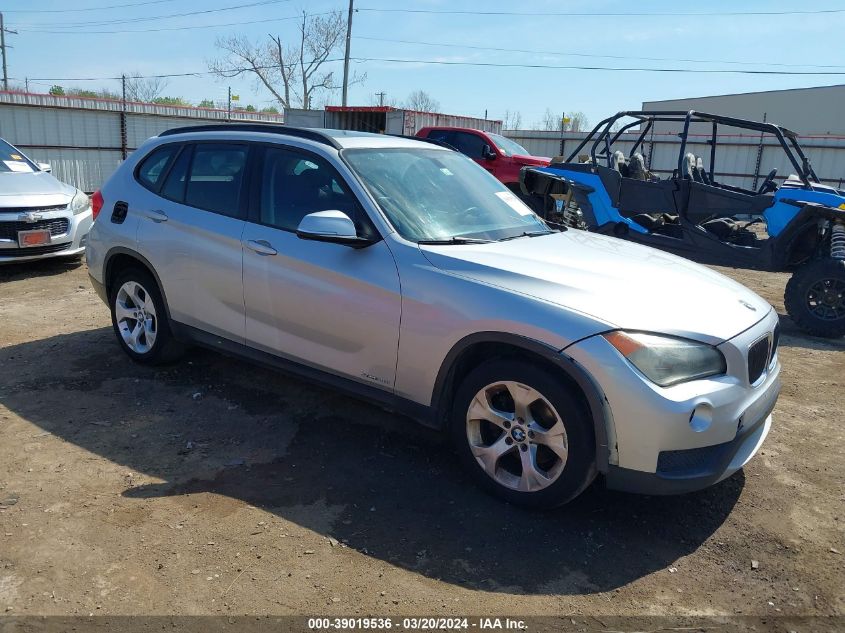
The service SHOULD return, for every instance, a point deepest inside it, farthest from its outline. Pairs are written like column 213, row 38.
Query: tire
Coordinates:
column 147, row 340
column 563, row 462
column 815, row 297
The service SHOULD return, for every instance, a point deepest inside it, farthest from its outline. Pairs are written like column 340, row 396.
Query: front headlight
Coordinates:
column 666, row 360
column 80, row 202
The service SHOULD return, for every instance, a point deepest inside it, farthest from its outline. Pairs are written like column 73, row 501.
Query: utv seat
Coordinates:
column 636, row 167
column 618, row 163
column 702, row 173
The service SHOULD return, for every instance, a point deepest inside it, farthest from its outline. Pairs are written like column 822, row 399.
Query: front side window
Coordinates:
column 216, row 177
column 469, row 144
column 294, row 184
column 435, row 194
column 152, row 168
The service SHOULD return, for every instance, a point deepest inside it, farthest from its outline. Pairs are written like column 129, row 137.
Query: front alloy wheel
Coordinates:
column 516, row 436
column 524, row 433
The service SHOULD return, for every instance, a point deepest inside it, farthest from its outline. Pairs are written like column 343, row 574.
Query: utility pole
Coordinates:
column 3, row 31
column 380, row 96
column 346, row 56
column 124, row 150
column 229, row 116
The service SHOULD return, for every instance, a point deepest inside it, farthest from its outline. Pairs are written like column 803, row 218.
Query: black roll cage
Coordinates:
column 602, row 133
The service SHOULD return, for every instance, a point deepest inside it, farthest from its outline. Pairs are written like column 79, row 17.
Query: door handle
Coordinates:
column 156, row 215
column 262, row 247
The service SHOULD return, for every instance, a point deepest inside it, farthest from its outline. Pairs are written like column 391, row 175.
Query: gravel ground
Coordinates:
column 214, row 486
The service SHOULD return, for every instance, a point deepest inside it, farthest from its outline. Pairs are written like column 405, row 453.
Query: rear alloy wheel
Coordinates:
column 139, row 320
column 815, row 297
column 523, row 435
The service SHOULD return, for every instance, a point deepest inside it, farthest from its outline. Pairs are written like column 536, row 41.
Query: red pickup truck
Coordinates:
column 500, row 156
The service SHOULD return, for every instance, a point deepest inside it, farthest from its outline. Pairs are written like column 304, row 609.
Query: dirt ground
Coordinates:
column 214, row 486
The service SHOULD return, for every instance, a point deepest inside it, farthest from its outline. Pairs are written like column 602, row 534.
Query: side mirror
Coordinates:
column 45, row 167
column 487, row 153
column 330, row 226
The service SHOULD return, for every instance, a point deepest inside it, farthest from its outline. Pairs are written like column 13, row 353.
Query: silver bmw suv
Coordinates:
column 402, row 272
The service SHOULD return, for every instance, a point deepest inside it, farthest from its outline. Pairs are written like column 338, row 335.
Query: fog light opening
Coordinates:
column 701, row 418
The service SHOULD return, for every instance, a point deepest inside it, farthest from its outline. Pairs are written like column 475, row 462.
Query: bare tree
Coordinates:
column 421, row 101
column 294, row 73
column 577, row 122
column 144, row 89
column 550, row 121
column 512, row 120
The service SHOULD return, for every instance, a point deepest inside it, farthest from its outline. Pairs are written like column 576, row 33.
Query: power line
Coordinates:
column 594, row 55
column 605, row 68
column 176, row 28
column 576, row 14
column 114, row 6
column 151, row 18
column 241, row 70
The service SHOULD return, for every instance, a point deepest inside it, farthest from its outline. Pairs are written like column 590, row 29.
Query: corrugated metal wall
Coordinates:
column 81, row 138
column 736, row 155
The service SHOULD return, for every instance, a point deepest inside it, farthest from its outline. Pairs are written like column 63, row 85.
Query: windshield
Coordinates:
column 435, row 194
column 11, row 160
column 507, row 146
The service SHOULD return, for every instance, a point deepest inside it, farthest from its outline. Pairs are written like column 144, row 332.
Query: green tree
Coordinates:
column 270, row 110
column 250, row 108
column 57, row 91
column 206, row 103
column 171, row 101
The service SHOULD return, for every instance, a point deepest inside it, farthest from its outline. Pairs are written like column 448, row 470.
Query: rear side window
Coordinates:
column 443, row 136
column 215, row 178
column 153, row 167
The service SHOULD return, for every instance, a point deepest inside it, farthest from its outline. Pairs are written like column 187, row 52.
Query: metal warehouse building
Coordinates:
column 742, row 157
column 84, row 139
column 808, row 111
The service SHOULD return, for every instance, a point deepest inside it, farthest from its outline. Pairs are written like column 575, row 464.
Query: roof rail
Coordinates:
column 306, row 133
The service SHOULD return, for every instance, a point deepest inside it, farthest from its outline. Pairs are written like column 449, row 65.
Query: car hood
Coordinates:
column 32, row 190
column 619, row 283
column 522, row 159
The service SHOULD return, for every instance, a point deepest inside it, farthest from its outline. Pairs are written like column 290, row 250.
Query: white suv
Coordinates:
column 401, row 271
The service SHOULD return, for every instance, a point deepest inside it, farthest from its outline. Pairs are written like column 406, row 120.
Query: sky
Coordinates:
column 56, row 41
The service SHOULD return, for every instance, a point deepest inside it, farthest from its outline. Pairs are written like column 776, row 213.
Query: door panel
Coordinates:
column 197, row 252
column 327, row 305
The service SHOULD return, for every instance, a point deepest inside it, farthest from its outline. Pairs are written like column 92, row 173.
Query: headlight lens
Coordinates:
column 80, row 202
column 665, row 360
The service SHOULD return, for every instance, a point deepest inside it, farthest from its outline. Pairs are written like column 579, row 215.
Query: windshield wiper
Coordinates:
column 455, row 239
column 526, row 234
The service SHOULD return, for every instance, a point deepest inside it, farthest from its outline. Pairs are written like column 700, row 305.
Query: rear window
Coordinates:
column 152, row 168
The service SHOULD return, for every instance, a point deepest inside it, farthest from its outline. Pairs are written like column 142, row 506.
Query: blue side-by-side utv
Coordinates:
column 797, row 224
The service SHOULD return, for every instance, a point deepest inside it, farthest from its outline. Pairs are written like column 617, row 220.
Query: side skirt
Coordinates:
column 388, row 401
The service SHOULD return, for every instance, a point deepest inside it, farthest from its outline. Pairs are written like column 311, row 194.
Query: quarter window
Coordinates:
column 153, row 166
column 216, row 177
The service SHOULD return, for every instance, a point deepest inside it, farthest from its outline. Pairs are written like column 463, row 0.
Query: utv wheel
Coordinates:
column 139, row 319
column 815, row 297
column 523, row 435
